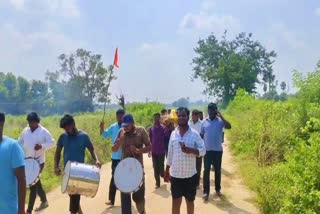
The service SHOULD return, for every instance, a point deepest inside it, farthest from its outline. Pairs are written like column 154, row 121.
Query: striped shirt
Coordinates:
column 184, row 165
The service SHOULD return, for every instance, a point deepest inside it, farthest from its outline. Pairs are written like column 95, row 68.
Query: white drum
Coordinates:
column 32, row 170
column 128, row 176
column 80, row 179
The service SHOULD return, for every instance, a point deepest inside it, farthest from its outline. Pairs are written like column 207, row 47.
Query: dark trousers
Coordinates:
column 198, row 166
column 74, row 203
column 138, row 198
column 34, row 190
column 158, row 167
column 215, row 158
column 112, row 186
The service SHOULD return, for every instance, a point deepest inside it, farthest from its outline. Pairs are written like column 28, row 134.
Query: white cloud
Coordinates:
column 205, row 20
column 287, row 36
column 317, row 11
column 65, row 8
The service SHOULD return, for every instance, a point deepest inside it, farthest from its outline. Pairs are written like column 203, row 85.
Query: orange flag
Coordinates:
column 115, row 61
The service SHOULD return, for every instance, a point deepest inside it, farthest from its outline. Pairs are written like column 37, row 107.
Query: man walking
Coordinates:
column 35, row 140
column 113, row 132
column 134, row 142
column 184, row 146
column 158, row 134
column 211, row 131
column 12, row 179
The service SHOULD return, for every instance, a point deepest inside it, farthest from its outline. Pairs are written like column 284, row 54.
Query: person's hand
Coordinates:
column 167, row 176
column 219, row 114
column 98, row 164
column 149, row 154
column 134, row 149
column 37, row 147
column 57, row 171
column 102, row 125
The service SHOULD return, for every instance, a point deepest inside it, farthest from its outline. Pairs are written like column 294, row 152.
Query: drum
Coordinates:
column 32, row 170
column 80, row 179
column 128, row 176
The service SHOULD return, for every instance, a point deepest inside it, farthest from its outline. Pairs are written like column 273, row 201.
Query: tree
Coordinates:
column 283, row 86
column 225, row 66
column 182, row 102
column 85, row 80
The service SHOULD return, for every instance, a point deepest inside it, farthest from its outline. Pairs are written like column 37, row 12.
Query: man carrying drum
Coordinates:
column 35, row 140
column 134, row 142
column 74, row 143
column 113, row 132
column 12, row 179
column 184, row 146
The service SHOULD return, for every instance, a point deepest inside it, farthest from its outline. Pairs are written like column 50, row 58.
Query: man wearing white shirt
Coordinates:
column 35, row 140
column 195, row 123
column 184, row 146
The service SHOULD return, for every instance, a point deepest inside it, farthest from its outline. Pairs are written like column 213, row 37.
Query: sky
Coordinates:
column 155, row 38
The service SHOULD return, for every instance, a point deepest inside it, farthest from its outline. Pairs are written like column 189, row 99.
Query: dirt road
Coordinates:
column 237, row 198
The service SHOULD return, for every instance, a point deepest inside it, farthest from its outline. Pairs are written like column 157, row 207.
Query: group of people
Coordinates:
column 184, row 145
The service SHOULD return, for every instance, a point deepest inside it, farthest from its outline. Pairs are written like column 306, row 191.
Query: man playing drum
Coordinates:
column 113, row 132
column 134, row 141
column 184, row 146
column 74, row 143
column 12, row 179
column 35, row 140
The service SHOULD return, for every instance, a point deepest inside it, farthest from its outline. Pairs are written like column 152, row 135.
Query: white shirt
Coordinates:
column 29, row 139
column 196, row 126
column 184, row 165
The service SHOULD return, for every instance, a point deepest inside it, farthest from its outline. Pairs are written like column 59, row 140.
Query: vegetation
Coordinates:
column 280, row 142
column 88, row 122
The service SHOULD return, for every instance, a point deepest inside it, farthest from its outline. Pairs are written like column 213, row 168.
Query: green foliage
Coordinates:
column 225, row 66
column 283, row 138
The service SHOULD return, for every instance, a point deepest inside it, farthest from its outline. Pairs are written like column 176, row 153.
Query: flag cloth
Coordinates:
column 115, row 61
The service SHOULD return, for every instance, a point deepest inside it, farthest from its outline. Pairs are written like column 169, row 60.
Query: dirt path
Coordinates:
column 237, row 198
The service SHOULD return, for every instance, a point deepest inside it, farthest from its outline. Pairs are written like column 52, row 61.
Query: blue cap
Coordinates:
column 127, row 120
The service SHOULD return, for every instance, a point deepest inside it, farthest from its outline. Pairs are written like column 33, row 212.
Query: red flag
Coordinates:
column 115, row 61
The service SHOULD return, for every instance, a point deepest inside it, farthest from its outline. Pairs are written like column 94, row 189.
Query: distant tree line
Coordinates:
column 79, row 83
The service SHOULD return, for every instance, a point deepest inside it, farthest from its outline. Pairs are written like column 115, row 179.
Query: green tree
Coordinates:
column 182, row 102
column 226, row 65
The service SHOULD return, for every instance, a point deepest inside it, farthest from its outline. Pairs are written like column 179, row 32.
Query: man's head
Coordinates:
column 164, row 111
column 212, row 110
column 169, row 111
column 33, row 120
column 156, row 118
column 68, row 124
column 2, row 120
column 120, row 113
column 127, row 123
column 183, row 116
column 195, row 115
column 200, row 115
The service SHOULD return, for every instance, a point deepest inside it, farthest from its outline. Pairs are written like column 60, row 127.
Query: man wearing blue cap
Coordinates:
column 134, row 142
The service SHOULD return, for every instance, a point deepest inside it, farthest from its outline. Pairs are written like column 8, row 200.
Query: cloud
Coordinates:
column 288, row 37
column 317, row 11
column 205, row 20
column 65, row 8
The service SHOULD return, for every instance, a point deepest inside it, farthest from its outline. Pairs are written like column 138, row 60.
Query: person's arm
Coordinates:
column 17, row 165
column 21, row 179
column 169, row 160
column 227, row 125
column 116, row 146
column 57, row 156
column 94, row 156
column 146, row 143
column 49, row 140
column 202, row 130
column 105, row 133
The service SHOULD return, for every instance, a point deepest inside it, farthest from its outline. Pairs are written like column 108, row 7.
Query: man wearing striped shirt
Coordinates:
column 184, row 146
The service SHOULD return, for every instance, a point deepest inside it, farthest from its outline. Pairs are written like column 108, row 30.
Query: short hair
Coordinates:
column 120, row 112
column 195, row 112
column 33, row 116
column 67, row 119
column 163, row 111
column 2, row 117
column 156, row 114
column 185, row 109
column 212, row 106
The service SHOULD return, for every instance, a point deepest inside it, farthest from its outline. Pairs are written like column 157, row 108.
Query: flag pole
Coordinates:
column 105, row 101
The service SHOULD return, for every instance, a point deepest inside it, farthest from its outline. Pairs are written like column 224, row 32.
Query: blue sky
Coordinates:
column 155, row 38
